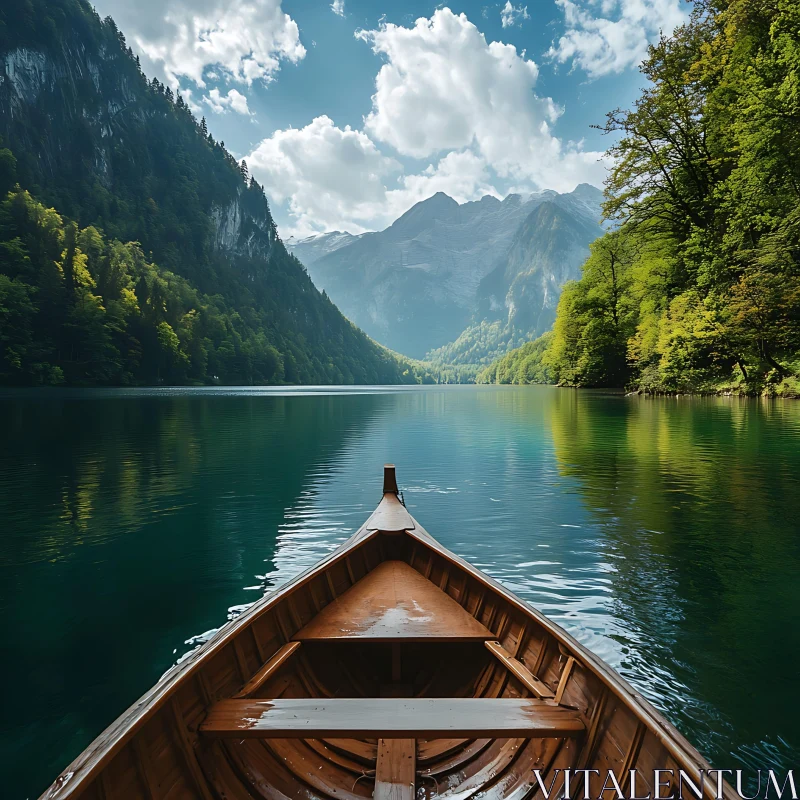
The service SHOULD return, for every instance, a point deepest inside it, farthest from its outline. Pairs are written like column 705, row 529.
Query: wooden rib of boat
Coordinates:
column 392, row 669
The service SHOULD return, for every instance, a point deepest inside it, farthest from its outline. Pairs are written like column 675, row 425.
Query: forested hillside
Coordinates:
column 133, row 247
column 480, row 343
column 698, row 286
column 523, row 365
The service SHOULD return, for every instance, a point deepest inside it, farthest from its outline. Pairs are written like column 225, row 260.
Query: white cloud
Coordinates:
column 336, row 179
column 513, row 15
column 188, row 96
column 241, row 40
column 443, row 87
column 617, row 40
column 462, row 175
column 467, row 107
column 221, row 104
column 331, row 177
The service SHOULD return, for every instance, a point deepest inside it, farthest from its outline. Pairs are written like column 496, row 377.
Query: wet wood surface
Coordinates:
column 395, row 770
column 457, row 637
column 519, row 671
column 394, row 602
column 269, row 669
column 391, row 718
column 390, row 516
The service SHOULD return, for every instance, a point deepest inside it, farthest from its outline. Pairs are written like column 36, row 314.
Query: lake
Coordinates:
column 663, row 533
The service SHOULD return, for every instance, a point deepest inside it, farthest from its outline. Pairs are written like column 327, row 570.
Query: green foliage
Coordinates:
column 427, row 372
column 78, row 308
column 8, row 169
column 596, row 317
column 523, row 365
column 479, row 344
column 169, row 268
column 705, row 294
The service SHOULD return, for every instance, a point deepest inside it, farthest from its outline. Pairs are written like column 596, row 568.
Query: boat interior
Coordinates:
column 393, row 670
column 397, row 636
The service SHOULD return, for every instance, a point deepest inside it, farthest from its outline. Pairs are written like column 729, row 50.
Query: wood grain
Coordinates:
column 519, row 671
column 394, row 602
column 487, row 751
column 390, row 718
column 269, row 669
column 395, row 771
column 390, row 516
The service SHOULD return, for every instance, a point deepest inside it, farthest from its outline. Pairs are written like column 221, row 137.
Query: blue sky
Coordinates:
column 351, row 111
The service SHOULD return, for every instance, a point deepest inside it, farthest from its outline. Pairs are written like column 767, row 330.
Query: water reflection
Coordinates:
column 697, row 502
column 662, row 533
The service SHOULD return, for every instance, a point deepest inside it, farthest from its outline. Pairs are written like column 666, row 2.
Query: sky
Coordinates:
column 350, row 111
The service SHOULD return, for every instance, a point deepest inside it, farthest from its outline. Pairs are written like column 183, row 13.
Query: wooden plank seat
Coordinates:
column 394, row 603
column 391, row 718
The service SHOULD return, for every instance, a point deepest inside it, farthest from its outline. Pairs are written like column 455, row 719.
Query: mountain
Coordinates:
column 516, row 302
column 697, row 287
column 311, row 248
column 547, row 250
column 418, row 284
column 94, row 158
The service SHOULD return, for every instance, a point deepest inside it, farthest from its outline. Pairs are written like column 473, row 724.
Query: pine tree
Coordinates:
column 67, row 266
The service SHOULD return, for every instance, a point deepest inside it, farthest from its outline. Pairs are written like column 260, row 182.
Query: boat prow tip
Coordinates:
column 390, row 479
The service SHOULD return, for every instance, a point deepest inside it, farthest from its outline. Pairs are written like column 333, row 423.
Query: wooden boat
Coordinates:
column 392, row 669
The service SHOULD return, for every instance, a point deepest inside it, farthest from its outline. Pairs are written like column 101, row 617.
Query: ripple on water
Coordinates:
column 662, row 534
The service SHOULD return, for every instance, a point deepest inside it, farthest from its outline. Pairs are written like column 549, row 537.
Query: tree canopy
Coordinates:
column 697, row 287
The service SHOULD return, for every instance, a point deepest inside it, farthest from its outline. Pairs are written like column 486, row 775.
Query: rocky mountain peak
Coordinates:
column 439, row 206
column 588, row 192
column 415, row 286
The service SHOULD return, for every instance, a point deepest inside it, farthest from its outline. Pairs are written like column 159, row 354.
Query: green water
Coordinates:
column 663, row 533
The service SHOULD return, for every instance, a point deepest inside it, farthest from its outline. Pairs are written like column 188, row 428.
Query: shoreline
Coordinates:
column 753, row 395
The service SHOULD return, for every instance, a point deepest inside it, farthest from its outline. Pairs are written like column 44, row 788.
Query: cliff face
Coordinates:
column 54, row 84
column 242, row 232
column 547, row 250
column 50, row 96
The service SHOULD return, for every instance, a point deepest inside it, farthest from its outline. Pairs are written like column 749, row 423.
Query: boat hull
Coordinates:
column 160, row 750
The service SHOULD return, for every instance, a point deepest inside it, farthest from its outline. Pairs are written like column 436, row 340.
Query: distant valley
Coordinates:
column 458, row 283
